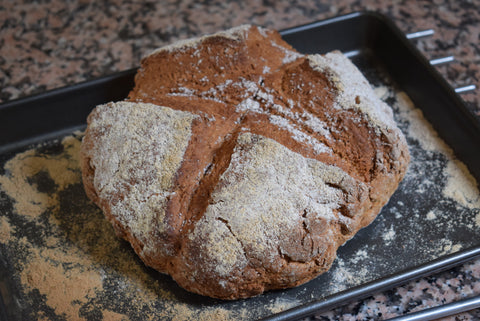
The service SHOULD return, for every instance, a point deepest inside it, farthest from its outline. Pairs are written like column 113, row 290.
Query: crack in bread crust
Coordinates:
column 277, row 159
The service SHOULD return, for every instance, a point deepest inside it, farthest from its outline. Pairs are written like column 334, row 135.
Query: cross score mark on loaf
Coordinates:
column 239, row 165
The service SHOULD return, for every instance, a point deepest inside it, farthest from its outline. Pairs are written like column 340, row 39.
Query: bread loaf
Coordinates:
column 238, row 165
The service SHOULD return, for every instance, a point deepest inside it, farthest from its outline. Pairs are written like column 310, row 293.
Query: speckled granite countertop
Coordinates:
column 52, row 43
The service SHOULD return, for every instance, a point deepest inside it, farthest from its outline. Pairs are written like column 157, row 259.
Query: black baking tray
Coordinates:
column 384, row 54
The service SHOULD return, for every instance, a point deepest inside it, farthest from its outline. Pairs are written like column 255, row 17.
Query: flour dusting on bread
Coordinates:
column 238, row 165
column 136, row 151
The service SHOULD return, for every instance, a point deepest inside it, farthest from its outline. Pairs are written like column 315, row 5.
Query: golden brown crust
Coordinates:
column 238, row 165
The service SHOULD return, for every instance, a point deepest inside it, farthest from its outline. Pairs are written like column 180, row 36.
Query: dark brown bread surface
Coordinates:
column 238, row 165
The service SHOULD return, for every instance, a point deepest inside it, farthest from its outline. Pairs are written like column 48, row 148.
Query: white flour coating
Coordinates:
column 257, row 99
column 299, row 135
column 282, row 304
column 389, row 235
column 260, row 99
column 264, row 191
column 249, row 105
column 315, row 123
column 345, row 275
column 140, row 149
column 358, row 94
column 289, row 55
column 461, row 185
column 431, row 216
column 268, row 195
column 236, row 33
column 446, row 247
column 361, row 254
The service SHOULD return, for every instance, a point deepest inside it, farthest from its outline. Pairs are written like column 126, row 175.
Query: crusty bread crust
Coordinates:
column 238, row 165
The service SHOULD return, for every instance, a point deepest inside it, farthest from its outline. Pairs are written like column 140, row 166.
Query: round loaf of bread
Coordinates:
column 238, row 165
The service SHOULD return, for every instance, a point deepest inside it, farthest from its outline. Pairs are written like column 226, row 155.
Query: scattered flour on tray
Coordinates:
column 461, row 185
column 281, row 304
column 62, row 169
column 344, row 276
column 69, row 263
column 431, row 216
column 419, row 128
column 389, row 235
column 6, row 230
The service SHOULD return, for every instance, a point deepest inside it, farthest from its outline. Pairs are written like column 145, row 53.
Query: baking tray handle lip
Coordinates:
column 379, row 285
